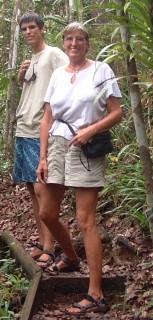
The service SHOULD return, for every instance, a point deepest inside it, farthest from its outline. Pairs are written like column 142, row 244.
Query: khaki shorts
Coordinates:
column 65, row 167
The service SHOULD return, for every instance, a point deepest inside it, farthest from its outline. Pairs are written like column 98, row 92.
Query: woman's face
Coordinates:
column 75, row 44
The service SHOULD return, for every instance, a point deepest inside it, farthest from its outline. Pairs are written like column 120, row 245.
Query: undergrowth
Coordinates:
column 13, row 288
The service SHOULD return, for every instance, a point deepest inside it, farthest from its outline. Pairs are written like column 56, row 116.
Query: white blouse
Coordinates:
column 74, row 103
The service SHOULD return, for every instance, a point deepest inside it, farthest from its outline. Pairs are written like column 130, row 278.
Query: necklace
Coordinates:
column 76, row 71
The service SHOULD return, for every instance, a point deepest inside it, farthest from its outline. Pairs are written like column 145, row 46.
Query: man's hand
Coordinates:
column 23, row 68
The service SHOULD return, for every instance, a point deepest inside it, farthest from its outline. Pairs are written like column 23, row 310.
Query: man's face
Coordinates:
column 32, row 33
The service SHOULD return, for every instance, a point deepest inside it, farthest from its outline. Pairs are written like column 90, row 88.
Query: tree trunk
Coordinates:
column 11, row 93
column 138, row 121
column 75, row 7
column 80, row 11
column 71, row 10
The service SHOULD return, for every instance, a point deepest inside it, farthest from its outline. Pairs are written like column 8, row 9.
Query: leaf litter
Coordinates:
column 119, row 235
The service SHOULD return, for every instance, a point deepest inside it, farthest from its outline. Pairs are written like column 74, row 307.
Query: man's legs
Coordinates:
column 45, row 237
column 26, row 160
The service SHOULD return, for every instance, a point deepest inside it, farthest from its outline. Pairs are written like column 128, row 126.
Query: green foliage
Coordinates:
column 126, row 187
column 136, row 18
column 5, row 313
column 17, row 283
column 129, row 187
column 13, row 284
column 124, row 193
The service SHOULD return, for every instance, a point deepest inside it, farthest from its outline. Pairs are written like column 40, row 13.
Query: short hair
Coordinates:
column 73, row 26
column 31, row 16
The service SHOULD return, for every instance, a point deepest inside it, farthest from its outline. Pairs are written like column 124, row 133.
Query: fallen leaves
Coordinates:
column 118, row 258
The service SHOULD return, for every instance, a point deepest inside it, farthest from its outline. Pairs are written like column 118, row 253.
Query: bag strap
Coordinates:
column 71, row 129
column 74, row 134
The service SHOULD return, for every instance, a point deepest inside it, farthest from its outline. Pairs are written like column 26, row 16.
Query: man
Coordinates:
column 34, row 76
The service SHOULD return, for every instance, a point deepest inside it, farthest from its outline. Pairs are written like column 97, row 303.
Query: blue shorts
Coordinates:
column 27, row 151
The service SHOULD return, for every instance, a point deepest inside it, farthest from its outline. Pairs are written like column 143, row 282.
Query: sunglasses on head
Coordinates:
column 33, row 77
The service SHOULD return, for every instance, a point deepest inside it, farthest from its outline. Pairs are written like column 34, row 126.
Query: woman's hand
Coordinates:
column 82, row 136
column 42, row 171
column 46, row 123
column 23, row 68
column 113, row 117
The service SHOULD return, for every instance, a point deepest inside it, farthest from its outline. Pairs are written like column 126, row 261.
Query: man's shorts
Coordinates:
column 65, row 167
column 27, row 153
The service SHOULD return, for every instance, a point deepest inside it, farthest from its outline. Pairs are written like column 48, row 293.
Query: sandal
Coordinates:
column 72, row 265
column 94, row 306
column 46, row 262
column 37, row 246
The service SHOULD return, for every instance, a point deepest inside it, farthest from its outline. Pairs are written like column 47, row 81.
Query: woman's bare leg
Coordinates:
column 86, row 201
column 35, row 206
column 46, row 237
column 51, row 196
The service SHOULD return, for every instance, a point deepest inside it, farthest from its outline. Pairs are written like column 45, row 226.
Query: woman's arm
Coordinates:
column 113, row 117
column 46, row 123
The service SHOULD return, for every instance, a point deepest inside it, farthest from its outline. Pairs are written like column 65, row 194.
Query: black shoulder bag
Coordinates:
column 97, row 146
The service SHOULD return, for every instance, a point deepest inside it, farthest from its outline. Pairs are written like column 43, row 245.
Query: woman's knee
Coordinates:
column 83, row 221
column 50, row 203
column 30, row 187
column 47, row 214
column 37, row 189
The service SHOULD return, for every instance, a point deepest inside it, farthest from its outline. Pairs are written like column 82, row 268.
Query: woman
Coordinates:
column 70, row 97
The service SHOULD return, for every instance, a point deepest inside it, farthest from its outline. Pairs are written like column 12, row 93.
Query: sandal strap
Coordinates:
column 96, row 306
column 44, row 260
column 39, row 246
column 72, row 263
column 98, row 303
column 54, row 267
column 50, row 253
column 82, row 308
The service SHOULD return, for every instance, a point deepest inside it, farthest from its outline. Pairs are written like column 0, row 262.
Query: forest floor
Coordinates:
column 127, row 252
